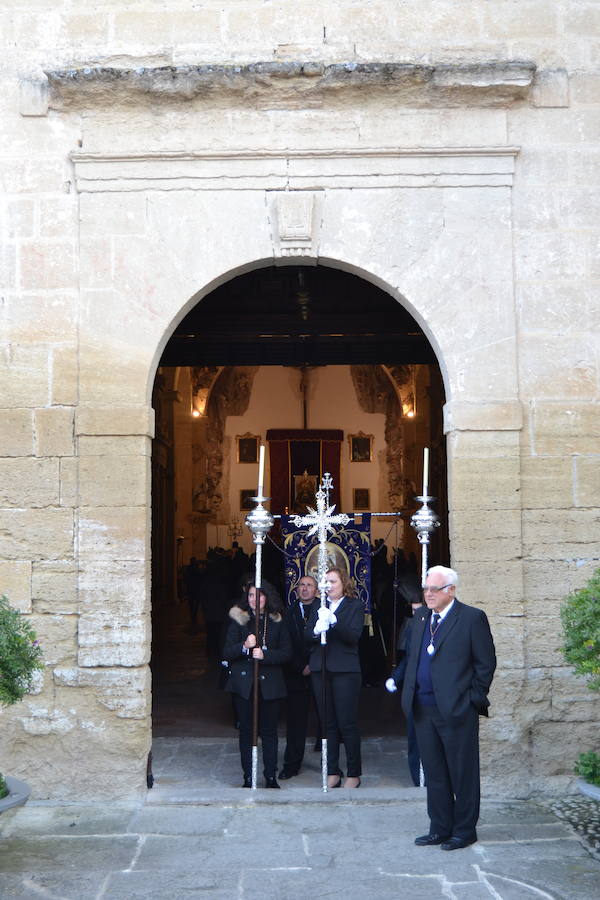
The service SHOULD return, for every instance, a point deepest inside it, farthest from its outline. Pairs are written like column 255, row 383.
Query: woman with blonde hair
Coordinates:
column 343, row 621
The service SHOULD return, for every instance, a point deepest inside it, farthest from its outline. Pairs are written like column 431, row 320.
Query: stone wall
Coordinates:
column 448, row 153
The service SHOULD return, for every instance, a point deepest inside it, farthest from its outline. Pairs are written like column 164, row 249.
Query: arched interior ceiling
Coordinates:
column 297, row 315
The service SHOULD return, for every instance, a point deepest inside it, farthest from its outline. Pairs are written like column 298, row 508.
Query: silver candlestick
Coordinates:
column 424, row 521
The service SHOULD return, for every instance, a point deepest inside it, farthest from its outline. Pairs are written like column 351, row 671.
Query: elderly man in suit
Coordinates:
column 451, row 663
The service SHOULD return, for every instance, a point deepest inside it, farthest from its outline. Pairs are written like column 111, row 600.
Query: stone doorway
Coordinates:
column 274, row 325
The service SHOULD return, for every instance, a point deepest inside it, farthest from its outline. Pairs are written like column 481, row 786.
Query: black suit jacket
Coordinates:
column 342, row 639
column 462, row 666
column 293, row 669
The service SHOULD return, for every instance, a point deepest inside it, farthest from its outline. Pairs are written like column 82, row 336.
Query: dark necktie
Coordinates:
column 435, row 621
column 304, row 612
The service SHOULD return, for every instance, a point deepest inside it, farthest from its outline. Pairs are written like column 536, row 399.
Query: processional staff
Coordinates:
column 259, row 521
column 321, row 521
column 425, row 521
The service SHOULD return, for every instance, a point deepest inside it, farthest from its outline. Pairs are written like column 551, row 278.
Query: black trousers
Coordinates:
column 343, row 694
column 268, row 713
column 450, row 756
column 297, row 707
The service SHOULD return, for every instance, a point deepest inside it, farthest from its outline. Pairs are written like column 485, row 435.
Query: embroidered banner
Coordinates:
column 348, row 547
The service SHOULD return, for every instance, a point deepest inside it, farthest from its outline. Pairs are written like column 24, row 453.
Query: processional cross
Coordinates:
column 322, row 521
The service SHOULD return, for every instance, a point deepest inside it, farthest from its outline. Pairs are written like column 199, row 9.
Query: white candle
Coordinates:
column 261, row 469
column 425, row 470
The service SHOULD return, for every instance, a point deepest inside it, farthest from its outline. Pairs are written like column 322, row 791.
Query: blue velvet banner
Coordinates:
column 348, row 547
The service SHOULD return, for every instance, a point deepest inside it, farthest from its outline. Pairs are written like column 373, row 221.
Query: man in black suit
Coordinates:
column 451, row 663
column 297, row 677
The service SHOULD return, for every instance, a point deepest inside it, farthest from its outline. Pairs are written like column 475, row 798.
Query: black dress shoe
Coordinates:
column 428, row 840
column 457, row 843
column 287, row 773
column 247, row 782
column 271, row 782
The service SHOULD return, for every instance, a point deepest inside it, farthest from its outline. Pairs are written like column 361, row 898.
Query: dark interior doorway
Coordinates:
column 272, row 316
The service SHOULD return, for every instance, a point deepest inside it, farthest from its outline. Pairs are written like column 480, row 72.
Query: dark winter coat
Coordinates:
column 241, row 665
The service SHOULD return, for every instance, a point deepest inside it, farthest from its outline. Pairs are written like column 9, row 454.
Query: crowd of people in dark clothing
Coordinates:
column 360, row 650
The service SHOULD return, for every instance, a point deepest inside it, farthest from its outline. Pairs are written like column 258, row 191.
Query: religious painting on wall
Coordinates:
column 361, row 447
column 247, row 448
column 361, row 498
column 246, row 495
column 305, row 489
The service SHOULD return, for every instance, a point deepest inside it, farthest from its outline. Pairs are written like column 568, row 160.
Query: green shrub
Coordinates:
column 588, row 767
column 580, row 615
column 20, row 658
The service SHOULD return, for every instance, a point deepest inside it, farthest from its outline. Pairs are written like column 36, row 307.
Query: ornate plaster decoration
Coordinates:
column 293, row 216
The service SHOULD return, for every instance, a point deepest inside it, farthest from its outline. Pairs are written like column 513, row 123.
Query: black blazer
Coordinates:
column 293, row 669
column 241, row 665
column 462, row 666
column 342, row 638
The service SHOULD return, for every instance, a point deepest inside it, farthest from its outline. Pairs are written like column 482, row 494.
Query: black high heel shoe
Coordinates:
column 338, row 783
column 271, row 782
column 247, row 782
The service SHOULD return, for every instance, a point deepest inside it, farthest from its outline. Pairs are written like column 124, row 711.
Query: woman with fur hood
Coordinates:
column 274, row 648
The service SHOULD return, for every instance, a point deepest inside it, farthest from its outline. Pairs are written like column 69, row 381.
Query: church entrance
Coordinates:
column 287, row 356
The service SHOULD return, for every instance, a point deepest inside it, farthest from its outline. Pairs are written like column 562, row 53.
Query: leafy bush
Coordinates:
column 20, row 658
column 588, row 767
column 580, row 617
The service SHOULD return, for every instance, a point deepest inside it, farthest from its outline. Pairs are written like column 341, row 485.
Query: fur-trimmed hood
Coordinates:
column 242, row 616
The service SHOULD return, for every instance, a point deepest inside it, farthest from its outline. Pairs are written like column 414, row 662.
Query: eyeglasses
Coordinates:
column 436, row 590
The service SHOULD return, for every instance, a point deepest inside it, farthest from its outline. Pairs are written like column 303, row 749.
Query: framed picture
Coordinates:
column 361, row 499
column 247, row 448
column 246, row 495
column 305, row 489
column 361, row 447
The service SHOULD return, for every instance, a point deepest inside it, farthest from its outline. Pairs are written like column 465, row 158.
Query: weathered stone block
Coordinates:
column 104, row 641
column 572, row 700
column 33, row 95
column 508, row 635
column 113, row 533
column 69, row 481
column 16, row 432
column 479, row 445
column 57, row 635
column 487, row 417
column 127, row 420
column 546, row 482
column 28, row 482
column 54, row 434
column 480, row 586
column 15, row 583
column 119, row 214
column 115, row 445
column 488, row 535
column 117, row 587
column 561, row 534
column 553, row 749
column 24, row 376
column 484, row 484
column 48, row 265
column 543, row 638
column 123, row 691
column 54, row 587
column 561, row 428
column 545, row 581
column 113, row 480
column 573, row 355
column 63, row 386
column 587, row 481
column 36, row 533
